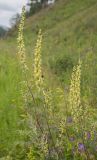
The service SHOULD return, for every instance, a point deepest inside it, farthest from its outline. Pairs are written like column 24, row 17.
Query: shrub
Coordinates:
column 62, row 64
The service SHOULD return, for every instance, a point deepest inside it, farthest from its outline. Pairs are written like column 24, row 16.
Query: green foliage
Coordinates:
column 36, row 6
column 62, row 64
column 67, row 32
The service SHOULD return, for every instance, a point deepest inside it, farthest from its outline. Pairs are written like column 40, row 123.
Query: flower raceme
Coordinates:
column 37, row 62
column 74, row 94
column 21, row 45
column 22, row 56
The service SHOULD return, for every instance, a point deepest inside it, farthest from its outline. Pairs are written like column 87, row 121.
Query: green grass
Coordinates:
column 69, row 31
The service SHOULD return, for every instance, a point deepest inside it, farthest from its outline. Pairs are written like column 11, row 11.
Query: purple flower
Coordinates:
column 69, row 119
column 88, row 135
column 81, row 147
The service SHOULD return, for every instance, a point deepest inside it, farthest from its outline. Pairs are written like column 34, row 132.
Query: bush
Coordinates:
column 62, row 64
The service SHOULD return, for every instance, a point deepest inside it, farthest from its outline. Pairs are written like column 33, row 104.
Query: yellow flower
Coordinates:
column 21, row 46
column 37, row 63
column 74, row 94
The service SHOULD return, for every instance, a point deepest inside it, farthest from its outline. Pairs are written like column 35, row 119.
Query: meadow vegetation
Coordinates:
column 48, row 88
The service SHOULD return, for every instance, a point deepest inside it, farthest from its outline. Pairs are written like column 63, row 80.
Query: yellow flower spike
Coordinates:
column 22, row 57
column 21, row 46
column 37, row 62
column 48, row 101
column 44, row 144
column 74, row 94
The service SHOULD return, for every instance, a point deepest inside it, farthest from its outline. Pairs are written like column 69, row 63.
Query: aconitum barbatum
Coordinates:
column 37, row 63
column 21, row 46
column 22, row 57
column 74, row 93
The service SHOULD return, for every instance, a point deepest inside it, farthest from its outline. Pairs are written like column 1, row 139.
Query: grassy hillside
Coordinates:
column 69, row 32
